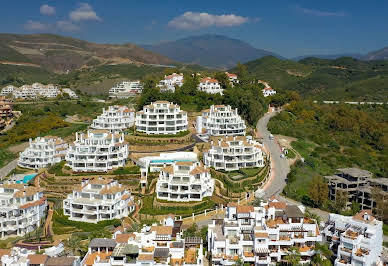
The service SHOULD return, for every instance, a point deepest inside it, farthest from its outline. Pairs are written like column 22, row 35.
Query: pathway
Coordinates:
column 8, row 168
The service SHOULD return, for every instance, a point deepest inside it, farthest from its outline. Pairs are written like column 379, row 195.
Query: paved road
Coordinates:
column 279, row 166
column 8, row 168
column 354, row 103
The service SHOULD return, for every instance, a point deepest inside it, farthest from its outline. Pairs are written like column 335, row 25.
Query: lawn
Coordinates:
column 385, row 229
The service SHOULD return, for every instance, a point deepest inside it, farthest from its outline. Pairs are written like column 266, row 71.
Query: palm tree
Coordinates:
column 293, row 256
column 74, row 244
column 322, row 254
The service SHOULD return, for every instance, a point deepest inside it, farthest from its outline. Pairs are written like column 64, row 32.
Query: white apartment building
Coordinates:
column 8, row 90
column 160, row 118
column 356, row 240
column 210, row 85
column 97, row 151
column 126, row 89
column 220, row 120
column 233, row 153
column 36, row 90
column 43, row 152
column 98, row 199
column 22, row 209
column 262, row 235
column 70, row 92
column 184, row 181
column 169, row 82
column 115, row 118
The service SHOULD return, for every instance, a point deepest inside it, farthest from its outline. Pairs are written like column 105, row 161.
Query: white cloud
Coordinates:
column 64, row 25
column 47, row 10
column 84, row 12
column 36, row 26
column 194, row 20
column 320, row 13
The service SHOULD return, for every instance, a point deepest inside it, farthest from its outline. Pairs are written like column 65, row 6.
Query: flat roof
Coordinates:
column 355, row 172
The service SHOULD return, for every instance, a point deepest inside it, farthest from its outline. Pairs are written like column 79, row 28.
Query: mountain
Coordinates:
column 61, row 54
column 325, row 79
column 329, row 56
column 381, row 54
column 215, row 51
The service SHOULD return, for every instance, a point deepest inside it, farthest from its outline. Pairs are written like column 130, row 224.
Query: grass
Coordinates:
column 62, row 224
column 291, row 154
column 385, row 229
column 127, row 170
column 56, row 169
column 6, row 156
column 179, row 134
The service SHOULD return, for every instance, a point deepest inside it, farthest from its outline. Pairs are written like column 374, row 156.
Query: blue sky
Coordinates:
column 289, row 28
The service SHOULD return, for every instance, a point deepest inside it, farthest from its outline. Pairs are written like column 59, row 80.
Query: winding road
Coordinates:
column 279, row 166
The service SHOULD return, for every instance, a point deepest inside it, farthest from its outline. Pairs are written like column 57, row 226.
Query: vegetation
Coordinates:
column 56, row 169
column 331, row 137
column 127, row 170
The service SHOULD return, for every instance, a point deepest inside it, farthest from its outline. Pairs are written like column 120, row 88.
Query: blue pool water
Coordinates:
column 26, row 179
column 169, row 161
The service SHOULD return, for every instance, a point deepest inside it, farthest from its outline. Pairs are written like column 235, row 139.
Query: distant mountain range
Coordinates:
column 328, row 56
column 381, row 54
column 214, row 51
column 60, row 54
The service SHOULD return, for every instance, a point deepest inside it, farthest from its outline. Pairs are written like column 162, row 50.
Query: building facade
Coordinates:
column 220, row 120
column 262, row 235
column 22, row 209
column 43, row 152
column 115, row 118
column 97, row 151
column 170, row 81
column 232, row 78
column 98, row 199
column 161, row 118
column 233, row 153
column 126, row 89
column 36, row 90
column 356, row 240
column 184, row 181
column 210, row 85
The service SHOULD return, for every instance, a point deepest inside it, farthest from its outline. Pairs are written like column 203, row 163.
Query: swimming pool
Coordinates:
column 26, row 179
column 169, row 161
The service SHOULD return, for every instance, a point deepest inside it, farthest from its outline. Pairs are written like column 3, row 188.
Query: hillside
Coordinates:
column 328, row 56
column 381, row 54
column 60, row 54
column 339, row 79
column 213, row 51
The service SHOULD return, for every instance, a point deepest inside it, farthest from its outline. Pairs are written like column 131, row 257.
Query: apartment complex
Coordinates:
column 160, row 118
column 43, row 152
column 115, row 118
column 356, row 240
column 233, row 153
column 210, row 85
column 262, row 235
column 97, row 151
column 170, row 81
column 159, row 244
column 98, row 199
column 184, row 181
column 220, row 120
column 6, row 111
column 357, row 185
column 36, row 90
column 126, row 89
column 22, row 209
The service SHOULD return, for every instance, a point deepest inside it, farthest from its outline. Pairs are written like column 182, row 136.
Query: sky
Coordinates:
column 289, row 28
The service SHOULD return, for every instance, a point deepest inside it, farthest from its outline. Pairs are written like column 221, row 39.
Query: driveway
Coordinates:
column 279, row 166
column 8, row 168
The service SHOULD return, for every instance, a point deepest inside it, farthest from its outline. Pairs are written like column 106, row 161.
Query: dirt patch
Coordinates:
column 19, row 148
column 285, row 141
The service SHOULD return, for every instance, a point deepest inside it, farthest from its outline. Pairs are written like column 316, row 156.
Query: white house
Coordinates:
column 22, row 209
column 115, row 118
column 262, row 235
column 126, row 89
column 232, row 78
column 268, row 92
column 220, row 120
column 356, row 240
column 43, row 152
column 97, row 151
column 210, row 85
column 233, row 153
column 70, row 92
column 184, row 181
column 8, row 90
column 98, row 199
column 169, row 82
column 160, row 118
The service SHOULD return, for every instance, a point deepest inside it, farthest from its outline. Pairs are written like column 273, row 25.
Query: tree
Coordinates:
column 381, row 206
column 242, row 74
column 318, row 190
column 191, row 231
column 322, row 254
column 293, row 256
column 341, row 199
column 222, row 79
column 74, row 244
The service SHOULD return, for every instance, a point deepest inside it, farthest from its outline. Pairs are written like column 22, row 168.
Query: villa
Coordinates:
column 126, row 89
column 22, row 209
column 70, row 92
column 356, row 240
column 268, row 92
column 43, row 152
column 98, row 199
column 220, row 120
column 262, row 235
column 233, row 153
column 161, row 118
column 97, row 151
column 169, row 82
column 184, row 181
column 210, row 85
column 232, row 78
column 115, row 118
